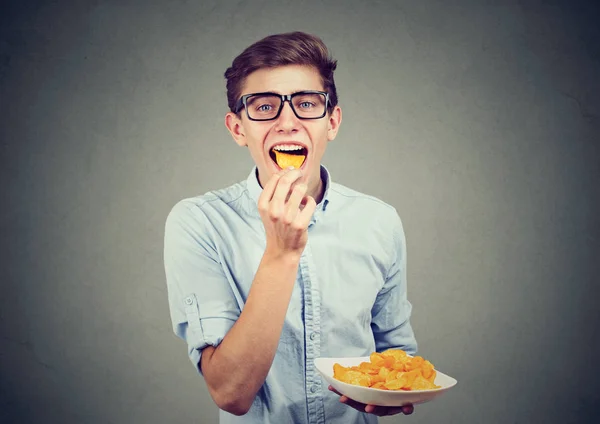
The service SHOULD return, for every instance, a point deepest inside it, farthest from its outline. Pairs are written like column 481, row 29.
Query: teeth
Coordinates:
column 287, row 147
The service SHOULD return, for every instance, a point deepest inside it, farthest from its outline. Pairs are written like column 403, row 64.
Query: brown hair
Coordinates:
column 292, row 48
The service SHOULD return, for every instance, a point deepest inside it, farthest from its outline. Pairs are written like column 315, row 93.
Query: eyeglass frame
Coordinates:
column 242, row 102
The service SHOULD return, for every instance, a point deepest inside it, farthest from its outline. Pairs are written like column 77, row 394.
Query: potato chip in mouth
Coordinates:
column 285, row 159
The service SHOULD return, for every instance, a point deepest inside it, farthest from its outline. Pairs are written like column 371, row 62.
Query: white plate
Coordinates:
column 377, row 396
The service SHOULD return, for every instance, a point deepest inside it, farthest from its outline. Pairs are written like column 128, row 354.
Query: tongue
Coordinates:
column 285, row 160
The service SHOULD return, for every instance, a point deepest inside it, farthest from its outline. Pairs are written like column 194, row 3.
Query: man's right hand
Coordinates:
column 286, row 210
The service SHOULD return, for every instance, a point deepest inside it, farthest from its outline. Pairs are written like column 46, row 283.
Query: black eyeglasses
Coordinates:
column 268, row 106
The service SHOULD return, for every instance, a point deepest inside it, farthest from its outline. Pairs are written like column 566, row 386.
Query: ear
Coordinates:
column 333, row 125
column 236, row 129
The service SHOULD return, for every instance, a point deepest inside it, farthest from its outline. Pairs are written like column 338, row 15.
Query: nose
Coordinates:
column 287, row 120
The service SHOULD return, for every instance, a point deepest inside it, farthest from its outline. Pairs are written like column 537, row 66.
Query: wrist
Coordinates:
column 282, row 257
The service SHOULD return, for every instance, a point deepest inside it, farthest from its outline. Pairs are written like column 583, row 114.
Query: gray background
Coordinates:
column 478, row 120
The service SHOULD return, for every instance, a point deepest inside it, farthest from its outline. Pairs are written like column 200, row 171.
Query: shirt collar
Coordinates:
column 254, row 189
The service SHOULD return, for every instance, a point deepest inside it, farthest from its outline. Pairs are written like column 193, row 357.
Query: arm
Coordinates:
column 391, row 311
column 235, row 370
column 234, row 350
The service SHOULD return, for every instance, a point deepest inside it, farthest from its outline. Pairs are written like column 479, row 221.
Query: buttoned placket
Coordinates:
column 312, row 327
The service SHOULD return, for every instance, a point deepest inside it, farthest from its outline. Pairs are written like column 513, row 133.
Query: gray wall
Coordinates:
column 478, row 120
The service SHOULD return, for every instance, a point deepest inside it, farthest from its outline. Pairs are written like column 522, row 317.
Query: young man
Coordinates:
column 287, row 266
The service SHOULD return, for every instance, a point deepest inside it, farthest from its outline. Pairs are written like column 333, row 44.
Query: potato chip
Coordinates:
column 357, row 378
column 392, row 369
column 379, row 385
column 397, row 354
column 285, row 160
column 377, row 379
column 376, row 358
column 368, row 368
column 421, row 383
column 391, row 375
column 410, row 377
column 414, row 364
column 383, row 372
column 427, row 368
column 388, row 361
column 394, row 384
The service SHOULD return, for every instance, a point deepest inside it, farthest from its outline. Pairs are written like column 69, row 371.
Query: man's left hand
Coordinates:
column 380, row 411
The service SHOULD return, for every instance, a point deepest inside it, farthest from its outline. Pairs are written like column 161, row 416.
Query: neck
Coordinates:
column 318, row 191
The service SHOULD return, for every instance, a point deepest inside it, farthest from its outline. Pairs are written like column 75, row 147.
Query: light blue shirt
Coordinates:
column 349, row 298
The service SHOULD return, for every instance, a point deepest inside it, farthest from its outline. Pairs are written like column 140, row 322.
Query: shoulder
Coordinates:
column 373, row 222
column 196, row 211
column 361, row 203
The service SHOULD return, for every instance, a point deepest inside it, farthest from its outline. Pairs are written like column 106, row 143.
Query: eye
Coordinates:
column 264, row 108
column 306, row 105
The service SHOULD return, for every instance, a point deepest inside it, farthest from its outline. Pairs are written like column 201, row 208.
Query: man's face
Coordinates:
column 287, row 132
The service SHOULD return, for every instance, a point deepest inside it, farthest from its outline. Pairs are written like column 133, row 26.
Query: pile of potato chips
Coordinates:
column 392, row 369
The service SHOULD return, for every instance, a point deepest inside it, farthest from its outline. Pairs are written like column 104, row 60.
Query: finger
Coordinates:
column 371, row 409
column 303, row 202
column 284, row 184
column 394, row 411
column 334, row 391
column 293, row 204
column 345, row 399
column 374, row 409
column 352, row 403
column 382, row 411
column 268, row 190
column 303, row 218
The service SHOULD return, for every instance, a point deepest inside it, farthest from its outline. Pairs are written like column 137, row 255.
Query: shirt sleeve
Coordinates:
column 390, row 315
column 201, row 303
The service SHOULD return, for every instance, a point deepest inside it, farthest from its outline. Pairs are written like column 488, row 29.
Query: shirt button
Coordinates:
column 313, row 336
column 188, row 300
column 313, row 389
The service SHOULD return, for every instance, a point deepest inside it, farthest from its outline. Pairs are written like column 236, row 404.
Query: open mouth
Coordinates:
column 286, row 155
